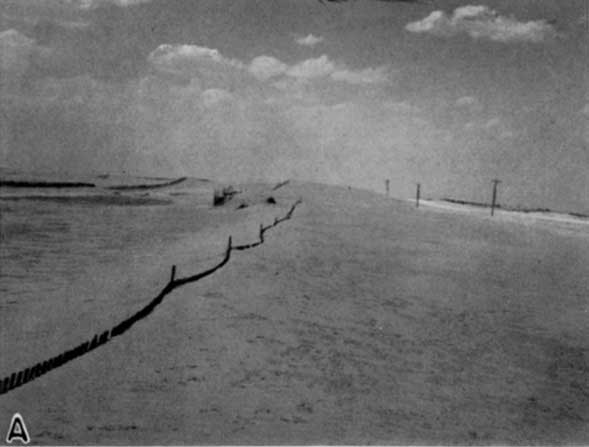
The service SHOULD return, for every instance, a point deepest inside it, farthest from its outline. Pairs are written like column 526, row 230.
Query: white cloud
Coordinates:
column 191, row 61
column 312, row 68
column 481, row 22
column 266, row 67
column 323, row 67
column 432, row 24
column 309, row 40
column 179, row 57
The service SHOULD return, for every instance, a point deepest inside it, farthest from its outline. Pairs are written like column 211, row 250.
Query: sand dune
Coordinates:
column 360, row 320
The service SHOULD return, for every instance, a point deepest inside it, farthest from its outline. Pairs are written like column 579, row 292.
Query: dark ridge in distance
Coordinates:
column 92, row 200
column 466, row 202
column 41, row 184
column 581, row 215
column 146, row 186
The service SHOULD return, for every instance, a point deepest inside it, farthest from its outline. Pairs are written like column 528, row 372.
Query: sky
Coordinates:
column 447, row 93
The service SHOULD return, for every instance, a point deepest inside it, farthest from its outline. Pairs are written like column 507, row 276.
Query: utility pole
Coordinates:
column 417, row 195
column 388, row 186
column 586, row 17
column 494, row 199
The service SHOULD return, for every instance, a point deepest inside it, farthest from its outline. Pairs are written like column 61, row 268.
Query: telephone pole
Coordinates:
column 387, row 183
column 417, row 195
column 494, row 199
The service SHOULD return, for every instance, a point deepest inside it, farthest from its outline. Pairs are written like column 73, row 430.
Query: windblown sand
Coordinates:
column 361, row 320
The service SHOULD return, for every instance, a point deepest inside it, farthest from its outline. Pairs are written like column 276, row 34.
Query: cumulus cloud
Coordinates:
column 187, row 57
column 213, row 115
column 309, row 40
column 191, row 61
column 323, row 67
column 266, row 67
column 312, row 68
column 481, row 22
column 186, row 62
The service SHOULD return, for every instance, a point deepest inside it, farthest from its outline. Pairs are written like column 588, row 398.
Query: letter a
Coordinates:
column 17, row 430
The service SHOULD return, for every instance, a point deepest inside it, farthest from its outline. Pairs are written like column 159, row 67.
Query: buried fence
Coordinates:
column 20, row 378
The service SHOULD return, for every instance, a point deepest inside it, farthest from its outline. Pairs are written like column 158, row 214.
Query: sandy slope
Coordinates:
column 361, row 320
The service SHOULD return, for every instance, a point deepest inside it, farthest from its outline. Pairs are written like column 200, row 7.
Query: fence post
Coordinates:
column 173, row 276
column 418, row 195
column 18, row 379
column 494, row 198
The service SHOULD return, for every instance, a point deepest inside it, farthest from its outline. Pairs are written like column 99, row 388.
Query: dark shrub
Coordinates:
column 220, row 196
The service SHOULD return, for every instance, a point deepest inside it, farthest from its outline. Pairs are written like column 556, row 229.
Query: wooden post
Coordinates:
column 388, row 186
column 494, row 198
column 417, row 195
column 261, row 233
column 173, row 275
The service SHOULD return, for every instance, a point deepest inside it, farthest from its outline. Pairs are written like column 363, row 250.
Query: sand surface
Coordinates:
column 361, row 320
